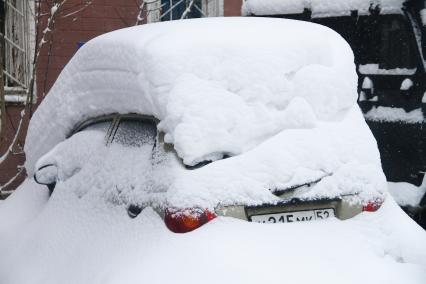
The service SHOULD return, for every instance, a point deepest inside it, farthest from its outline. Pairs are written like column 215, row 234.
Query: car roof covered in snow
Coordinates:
column 217, row 85
column 320, row 8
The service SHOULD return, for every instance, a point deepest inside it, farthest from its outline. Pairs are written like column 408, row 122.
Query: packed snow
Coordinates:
column 84, row 241
column 367, row 83
column 239, row 93
column 290, row 158
column 373, row 69
column 258, row 82
column 320, row 8
column 406, row 193
column 394, row 114
column 406, row 84
column 282, row 107
column 423, row 16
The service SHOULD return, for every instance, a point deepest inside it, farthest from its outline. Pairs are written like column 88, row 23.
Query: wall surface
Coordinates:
column 232, row 7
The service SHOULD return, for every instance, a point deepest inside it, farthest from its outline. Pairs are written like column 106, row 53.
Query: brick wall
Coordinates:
column 9, row 168
column 232, row 7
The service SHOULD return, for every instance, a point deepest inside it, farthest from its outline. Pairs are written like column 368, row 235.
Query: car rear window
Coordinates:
column 99, row 126
column 135, row 133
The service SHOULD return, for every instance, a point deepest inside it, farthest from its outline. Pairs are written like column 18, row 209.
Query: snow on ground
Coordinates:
column 22, row 206
column 84, row 240
column 394, row 114
column 406, row 193
column 319, row 8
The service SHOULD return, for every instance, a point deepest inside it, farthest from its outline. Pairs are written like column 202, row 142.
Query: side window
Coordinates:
column 174, row 9
column 135, row 133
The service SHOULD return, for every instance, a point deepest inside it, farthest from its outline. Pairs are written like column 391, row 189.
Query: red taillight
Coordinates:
column 372, row 206
column 186, row 220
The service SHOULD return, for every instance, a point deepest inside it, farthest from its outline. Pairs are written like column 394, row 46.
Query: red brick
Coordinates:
column 115, row 24
column 129, row 3
column 66, row 49
column 93, row 11
column 69, row 37
column 232, row 7
column 85, row 36
column 53, row 61
column 89, row 24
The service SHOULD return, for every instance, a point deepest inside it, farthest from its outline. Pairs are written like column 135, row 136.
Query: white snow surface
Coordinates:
column 367, row 83
column 319, row 8
column 394, row 114
column 85, row 240
column 406, row 193
column 373, row 69
column 217, row 85
column 406, row 84
column 423, row 16
column 284, row 107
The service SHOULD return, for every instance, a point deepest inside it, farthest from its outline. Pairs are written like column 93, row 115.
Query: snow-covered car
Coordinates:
column 221, row 144
column 135, row 143
column 162, row 128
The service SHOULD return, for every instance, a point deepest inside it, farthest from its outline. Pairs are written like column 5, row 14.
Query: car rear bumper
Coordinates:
column 344, row 208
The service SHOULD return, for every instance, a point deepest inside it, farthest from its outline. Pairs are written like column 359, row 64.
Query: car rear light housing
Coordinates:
column 188, row 219
column 372, row 206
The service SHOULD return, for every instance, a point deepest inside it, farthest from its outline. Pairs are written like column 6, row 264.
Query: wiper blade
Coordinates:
column 280, row 191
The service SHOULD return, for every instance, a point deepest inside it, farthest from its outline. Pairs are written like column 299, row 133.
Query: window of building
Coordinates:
column 168, row 10
column 176, row 9
column 16, row 51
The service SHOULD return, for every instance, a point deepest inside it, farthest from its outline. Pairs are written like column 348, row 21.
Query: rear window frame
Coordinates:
column 114, row 120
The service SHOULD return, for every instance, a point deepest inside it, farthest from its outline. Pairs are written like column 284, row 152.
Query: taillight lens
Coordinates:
column 372, row 206
column 186, row 220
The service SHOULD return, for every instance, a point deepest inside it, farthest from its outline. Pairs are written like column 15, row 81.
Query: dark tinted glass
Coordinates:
column 377, row 39
column 99, row 126
column 135, row 133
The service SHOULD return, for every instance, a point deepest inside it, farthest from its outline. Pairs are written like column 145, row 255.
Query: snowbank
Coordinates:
column 406, row 193
column 394, row 114
column 22, row 206
column 319, row 8
column 92, row 242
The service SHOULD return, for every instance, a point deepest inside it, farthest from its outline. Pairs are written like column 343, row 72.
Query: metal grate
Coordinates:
column 16, row 44
column 168, row 10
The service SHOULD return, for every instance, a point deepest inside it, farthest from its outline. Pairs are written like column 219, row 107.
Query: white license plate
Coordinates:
column 297, row 216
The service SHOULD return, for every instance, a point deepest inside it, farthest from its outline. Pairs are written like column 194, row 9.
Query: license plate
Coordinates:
column 297, row 216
